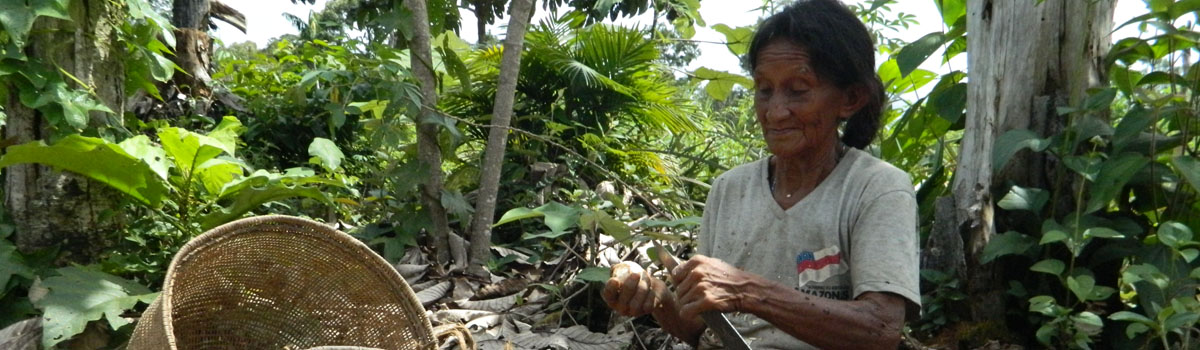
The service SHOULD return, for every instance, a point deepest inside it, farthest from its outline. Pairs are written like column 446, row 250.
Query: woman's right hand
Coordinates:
column 631, row 291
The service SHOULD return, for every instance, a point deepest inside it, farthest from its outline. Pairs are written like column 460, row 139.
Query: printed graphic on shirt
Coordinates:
column 819, row 266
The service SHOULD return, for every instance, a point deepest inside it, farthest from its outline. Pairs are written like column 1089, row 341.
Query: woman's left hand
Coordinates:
column 707, row 284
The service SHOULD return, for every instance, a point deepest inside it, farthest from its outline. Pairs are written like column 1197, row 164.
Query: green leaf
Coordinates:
column 248, row 193
column 1015, row 140
column 515, row 214
column 1101, row 232
column 1044, row 304
column 1020, row 198
column 916, row 52
column 327, row 152
column 1050, row 266
column 1005, row 244
column 11, row 264
column 594, row 274
column 736, row 39
column 214, row 174
column 76, row 107
column 1174, row 234
column 79, row 295
column 1087, row 322
column 720, row 84
column 558, row 217
column 1100, row 99
column 1053, row 236
column 1179, row 320
column 1081, row 285
column 1189, row 167
column 188, row 149
column 950, row 101
column 1114, row 174
column 1134, row 329
column 615, row 228
column 1129, row 316
column 154, row 156
column 96, row 159
column 17, row 16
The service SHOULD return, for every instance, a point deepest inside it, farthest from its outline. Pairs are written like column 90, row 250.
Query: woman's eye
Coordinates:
column 763, row 92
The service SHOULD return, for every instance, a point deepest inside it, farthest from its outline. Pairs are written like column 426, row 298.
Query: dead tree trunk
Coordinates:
column 52, row 208
column 429, row 151
column 489, row 182
column 1025, row 59
column 193, row 47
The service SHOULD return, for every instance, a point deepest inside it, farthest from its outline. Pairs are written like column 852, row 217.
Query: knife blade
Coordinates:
column 715, row 320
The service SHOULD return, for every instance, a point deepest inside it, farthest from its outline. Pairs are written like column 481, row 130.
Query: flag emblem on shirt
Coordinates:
column 818, row 266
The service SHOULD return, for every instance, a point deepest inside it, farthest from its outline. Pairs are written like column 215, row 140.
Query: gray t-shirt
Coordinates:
column 854, row 233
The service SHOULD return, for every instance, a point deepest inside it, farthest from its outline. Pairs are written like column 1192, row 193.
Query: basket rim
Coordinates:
column 374, row 263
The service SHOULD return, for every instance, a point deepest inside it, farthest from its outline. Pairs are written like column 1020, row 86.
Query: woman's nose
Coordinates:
column 777, row 107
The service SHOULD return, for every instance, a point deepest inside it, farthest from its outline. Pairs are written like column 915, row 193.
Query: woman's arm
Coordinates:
column 873, row 321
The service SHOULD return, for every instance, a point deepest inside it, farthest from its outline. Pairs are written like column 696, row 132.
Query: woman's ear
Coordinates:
column 854, row 98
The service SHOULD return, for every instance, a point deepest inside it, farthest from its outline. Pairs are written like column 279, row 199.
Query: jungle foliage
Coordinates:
column 612, row 144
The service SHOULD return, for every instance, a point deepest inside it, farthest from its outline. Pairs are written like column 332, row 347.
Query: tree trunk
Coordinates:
column 1025, row 59
column 51, row 208
column 193, row 47
column 428, row 150
column 489, row 182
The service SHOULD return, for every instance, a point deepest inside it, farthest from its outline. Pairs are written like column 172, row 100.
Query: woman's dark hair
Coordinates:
column 841, row 51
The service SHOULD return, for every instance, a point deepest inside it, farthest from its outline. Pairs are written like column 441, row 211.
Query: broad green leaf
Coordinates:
column 96, row 159
column 1087, row 166
column 76, row 108
column 949, row 102
column 140, row 147
column 1189, row 167
column 1087, row 322
column 79, row 295
column 615, row 228
column 225, row 134
column 1050, row 266
column 691, row 221
column 251, row 192
column 1005, row 244
column 1015, row 140
column 594, row 274
column 327, row 152
column 1189, row 254
column 736, row 39
column 1081, row 285
column 1134, row 329
column 916, row 52
column 1114, row 174
column 1100, row 99
column 889, row 73
column 952, row 10
column 517, row 214
column 1101, row 232
column 1129, row 316
column 1174, row 234
column 17, row 16
column 558, row 217
column 1044, row 304
column 188, row 149
column 1053, row 236
column 720, row 84
column 11, row 264
column 214, row 174
column 1180, row 320
column 1020, row 198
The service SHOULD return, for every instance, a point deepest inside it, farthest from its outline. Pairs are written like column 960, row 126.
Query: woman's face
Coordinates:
column 798, row 111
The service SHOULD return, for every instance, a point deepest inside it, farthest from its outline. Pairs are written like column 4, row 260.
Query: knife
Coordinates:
column 714, row 319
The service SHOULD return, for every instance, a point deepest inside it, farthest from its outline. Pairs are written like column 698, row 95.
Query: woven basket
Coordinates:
column 279, row 282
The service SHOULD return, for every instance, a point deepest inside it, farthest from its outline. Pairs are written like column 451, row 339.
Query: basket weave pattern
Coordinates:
column 278, row 282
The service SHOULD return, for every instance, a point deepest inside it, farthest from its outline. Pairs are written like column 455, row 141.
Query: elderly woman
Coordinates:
column 814, row 246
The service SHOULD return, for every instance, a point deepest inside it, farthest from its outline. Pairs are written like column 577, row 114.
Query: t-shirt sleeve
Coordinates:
column 884, row 250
